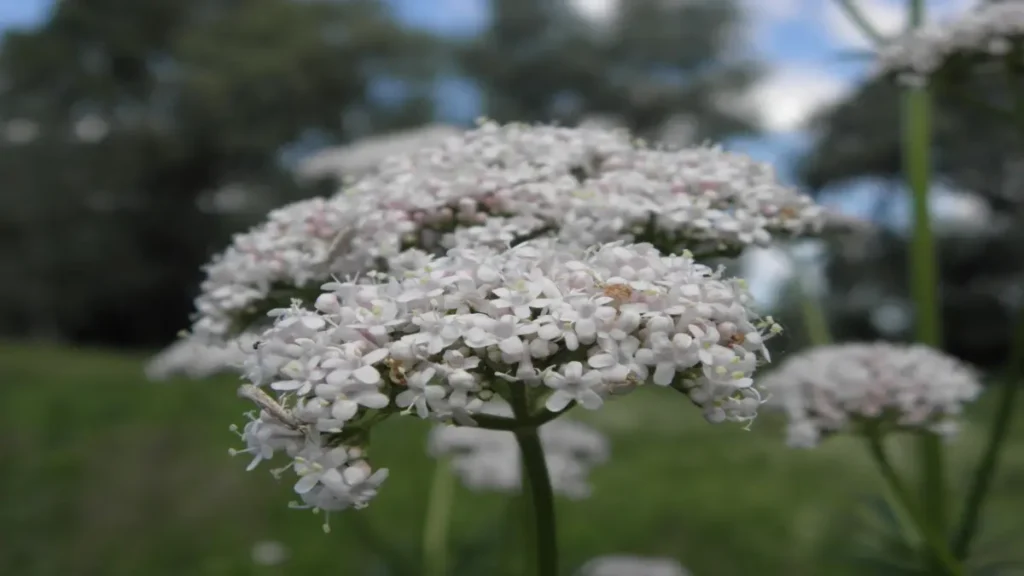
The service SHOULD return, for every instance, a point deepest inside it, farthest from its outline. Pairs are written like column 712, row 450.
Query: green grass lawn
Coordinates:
column 103, row 473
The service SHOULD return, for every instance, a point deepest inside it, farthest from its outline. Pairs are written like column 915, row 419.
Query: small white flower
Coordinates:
column 573, row 384
column 355, row 367
column 421, row 393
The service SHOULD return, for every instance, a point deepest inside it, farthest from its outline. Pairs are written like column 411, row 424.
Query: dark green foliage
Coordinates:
column 539, row 61
column 103, row 240
column 975, row 151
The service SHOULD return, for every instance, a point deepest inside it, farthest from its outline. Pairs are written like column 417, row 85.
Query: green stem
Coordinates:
column 924, row 273
column 815, row 321
column 982, row 482
column 858, row 18
column 536, row 483
column 436, row 527
column 935, row 539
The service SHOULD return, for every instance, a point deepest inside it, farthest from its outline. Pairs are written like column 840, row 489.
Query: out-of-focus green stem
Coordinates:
column 936, row 540
column 1010, row 384
column 815, row 320
column 924, row 278
column 438, row 521
column 1005, row 409
column 857, row 17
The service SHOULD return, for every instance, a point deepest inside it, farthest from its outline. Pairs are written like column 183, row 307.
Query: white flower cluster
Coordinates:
column 193, row 358
column 496, row 185
column 332, row 476
column 829, row 389
column 632, row 566
column 489, row 460
column 556, row 322
column 988, row 30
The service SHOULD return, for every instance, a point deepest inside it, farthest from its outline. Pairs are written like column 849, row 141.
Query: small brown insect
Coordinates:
column 619, row 292
column 737, row 339
column 395, row 371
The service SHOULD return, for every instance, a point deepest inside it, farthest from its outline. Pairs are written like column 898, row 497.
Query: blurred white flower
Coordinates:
column 489, row 460
column 194, row 358
column 832, row 389
column 269, row 553
column 988, row 30
column 632, row 566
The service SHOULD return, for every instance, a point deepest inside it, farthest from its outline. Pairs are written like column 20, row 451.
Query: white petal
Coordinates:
column 367, row 375
column 512, row 346
column 375, row 400
column 344, row 410
column 664, row 373
column 375, row 356
column 306, row 483
column 287, row 385
column 586, row 329
column 558, row 401
column 590, row 400
column 573, row 371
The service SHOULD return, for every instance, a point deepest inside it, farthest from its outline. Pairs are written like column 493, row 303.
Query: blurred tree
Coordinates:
column 976, row 154
column 138, row 135
column 650, row 64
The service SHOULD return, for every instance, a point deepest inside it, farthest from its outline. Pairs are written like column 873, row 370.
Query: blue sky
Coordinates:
column 801, row 41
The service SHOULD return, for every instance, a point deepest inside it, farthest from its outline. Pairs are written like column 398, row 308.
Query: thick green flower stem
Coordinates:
column 541, row 523
column 982, row 482
column 924, row 279
column 944, row 563
column 436, row 527
column 924, row 285
column 923, row 262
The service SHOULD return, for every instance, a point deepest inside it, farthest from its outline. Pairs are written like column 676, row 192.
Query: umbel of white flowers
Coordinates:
column 489, row 460
column 832, row 389
column 557, row 322
column 493, row 186
column 989, row 30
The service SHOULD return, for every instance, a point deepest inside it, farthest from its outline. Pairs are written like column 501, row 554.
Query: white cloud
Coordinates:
column 786, row 99
column 598, row 12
